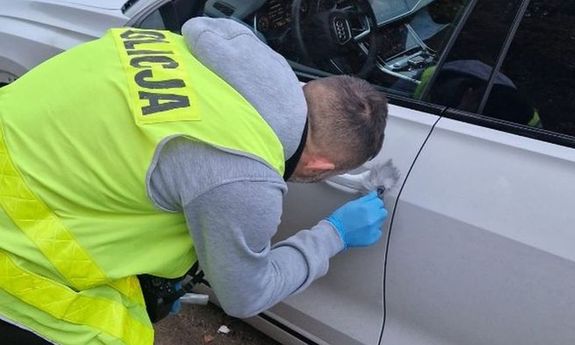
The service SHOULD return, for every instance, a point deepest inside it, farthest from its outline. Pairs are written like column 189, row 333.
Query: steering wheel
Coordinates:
column 336, row 31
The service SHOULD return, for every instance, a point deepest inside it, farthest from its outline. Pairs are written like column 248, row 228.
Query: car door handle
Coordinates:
column 350, row 183
column 380, row 176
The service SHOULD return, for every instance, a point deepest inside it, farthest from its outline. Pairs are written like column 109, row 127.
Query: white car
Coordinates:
column 480, row 242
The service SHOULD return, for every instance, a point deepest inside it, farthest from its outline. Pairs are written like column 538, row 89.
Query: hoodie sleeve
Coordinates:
column 232, row 227
column 233, row 207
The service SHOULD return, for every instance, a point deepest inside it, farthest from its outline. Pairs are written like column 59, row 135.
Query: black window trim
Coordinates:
column 415, row 104
column 445, row 53
column 503, row 53
column 511, row 127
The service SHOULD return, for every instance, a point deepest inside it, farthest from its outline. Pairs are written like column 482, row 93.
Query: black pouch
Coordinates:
column 160, row 294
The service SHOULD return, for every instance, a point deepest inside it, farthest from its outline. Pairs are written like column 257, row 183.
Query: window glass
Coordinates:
column 153, row 21
column 391, row 43
column 541, row 65
column 462, row 79
column 172, row 15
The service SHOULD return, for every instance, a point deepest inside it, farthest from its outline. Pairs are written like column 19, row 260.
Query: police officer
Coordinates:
column 143, row 152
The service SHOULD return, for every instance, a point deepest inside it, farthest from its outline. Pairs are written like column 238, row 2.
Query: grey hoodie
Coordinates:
column 233, row 203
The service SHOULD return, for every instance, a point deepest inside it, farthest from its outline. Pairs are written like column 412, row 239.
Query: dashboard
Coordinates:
column 279, row 11
column 274, row 15
column 401, row 50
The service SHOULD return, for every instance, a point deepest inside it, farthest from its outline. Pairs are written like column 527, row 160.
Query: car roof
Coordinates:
column 103, row 4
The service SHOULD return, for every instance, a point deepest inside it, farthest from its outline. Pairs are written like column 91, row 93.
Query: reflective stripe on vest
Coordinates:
column 76, row 307
column 43, row 227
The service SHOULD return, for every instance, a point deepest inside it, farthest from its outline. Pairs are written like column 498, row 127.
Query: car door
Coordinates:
column 347, row 305
column 482, row 244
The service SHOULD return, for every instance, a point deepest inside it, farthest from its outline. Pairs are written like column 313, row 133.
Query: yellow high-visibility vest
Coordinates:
column 76, row 222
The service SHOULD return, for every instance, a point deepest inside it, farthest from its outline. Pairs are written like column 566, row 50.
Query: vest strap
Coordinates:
column 292, row 162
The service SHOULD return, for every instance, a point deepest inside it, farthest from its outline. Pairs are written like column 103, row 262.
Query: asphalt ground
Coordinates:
column 198, row 325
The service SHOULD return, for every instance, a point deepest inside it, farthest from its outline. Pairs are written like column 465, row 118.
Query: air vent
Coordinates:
column 226, row 9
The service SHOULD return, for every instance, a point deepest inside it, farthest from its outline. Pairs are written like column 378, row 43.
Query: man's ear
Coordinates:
column 318, row 164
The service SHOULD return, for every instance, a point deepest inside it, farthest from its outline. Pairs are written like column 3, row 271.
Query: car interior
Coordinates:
column 394, row 44
column 389, row 43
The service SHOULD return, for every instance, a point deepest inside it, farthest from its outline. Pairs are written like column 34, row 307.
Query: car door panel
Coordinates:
column 346, row 306
column 481, row 248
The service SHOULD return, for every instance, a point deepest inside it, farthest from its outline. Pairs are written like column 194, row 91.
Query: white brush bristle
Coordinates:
column 384, row 175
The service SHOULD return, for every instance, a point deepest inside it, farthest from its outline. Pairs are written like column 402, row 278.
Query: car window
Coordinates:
column 172, row 15
column 461, row 80
column 153, row 21
column 541, row 64
column 512, row 61
column 389, row 43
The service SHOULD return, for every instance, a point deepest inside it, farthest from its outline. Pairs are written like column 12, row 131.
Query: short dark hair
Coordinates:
column 347, row 119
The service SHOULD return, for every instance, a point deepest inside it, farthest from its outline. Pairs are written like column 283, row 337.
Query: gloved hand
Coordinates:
column 359, row 222
column 177, row 305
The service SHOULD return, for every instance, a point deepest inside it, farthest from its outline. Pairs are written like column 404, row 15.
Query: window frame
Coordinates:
column 503, row 53
column 487, row 121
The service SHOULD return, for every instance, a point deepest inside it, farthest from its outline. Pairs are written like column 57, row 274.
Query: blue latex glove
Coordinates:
column 359, row 222
column 177, row 305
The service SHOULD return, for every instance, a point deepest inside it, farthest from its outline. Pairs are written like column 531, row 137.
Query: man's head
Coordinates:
column 346, row 123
